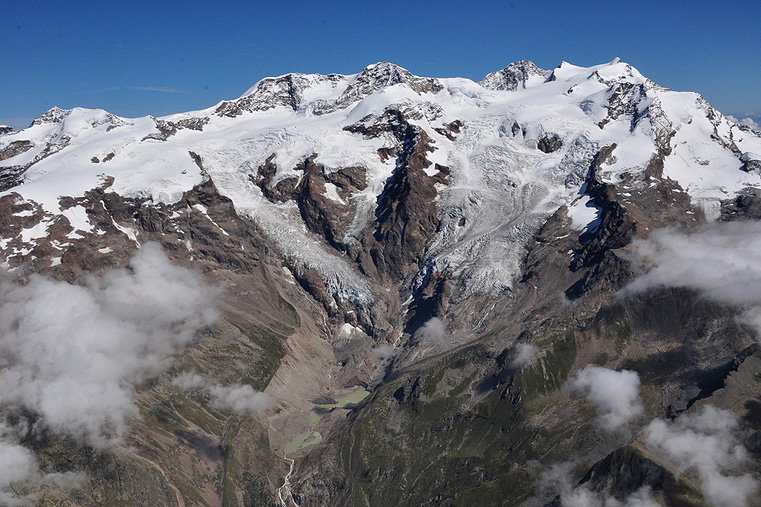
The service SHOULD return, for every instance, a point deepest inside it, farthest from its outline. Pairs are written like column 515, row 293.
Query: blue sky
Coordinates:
column 138, row 58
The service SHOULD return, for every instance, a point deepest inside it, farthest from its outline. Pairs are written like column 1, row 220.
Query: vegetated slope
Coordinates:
column 407, row 235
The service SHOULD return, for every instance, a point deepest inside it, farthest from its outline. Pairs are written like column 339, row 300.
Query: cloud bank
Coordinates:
column 615, row 395
column 722, row 261
column 707, row 442
column 237, row 398
column 73, row 354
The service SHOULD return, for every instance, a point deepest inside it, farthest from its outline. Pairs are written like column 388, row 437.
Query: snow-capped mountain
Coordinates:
column 517, row 146
column 460, row 249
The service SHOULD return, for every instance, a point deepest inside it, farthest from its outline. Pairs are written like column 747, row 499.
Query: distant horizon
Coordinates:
column 146, row 59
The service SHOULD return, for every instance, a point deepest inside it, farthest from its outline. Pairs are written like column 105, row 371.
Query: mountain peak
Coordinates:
column 518, row 74
column 54, row 115
column 289, row 90
column 381, row 75
column 387, row 68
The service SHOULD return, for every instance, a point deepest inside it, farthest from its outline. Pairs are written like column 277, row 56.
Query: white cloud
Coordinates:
column 557, row 481
column 583, row 497
column 237, row 398
column 17, row 464
column 189, row 381
column 707, row 442
column 19, row 471
column 433, row 331
column 722, row 261
column 748, row 121
column 73, row 354
column 615, row 394
column 382, row 351
column 525, row 352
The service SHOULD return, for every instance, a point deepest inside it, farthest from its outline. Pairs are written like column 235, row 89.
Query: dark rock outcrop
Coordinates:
column 167, row 129
column 549, row 144
column 406, row 217
column 626, row 470
column 53, row 115
column 746, row 206
column 623, row 101
column 751, row 163
column 271, row 92
column 15, row 148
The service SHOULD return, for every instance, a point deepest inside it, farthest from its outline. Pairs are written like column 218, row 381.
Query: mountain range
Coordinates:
column 384, row 289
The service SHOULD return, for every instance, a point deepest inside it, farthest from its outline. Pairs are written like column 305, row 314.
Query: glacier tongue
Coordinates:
column 518, row 146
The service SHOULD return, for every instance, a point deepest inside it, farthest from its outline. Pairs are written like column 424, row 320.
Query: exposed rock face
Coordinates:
column 406, row 218
column 549, row 144
column 395, row 120
column 15, row 148
column 282, row 191
column 624, row 100
column 169, row 128
column 751, row 162
column 11, row 176
column 323, row 213
column 746, row 206
column 272, row 92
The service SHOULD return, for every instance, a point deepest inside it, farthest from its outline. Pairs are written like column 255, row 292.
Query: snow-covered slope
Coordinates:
column 518, row 146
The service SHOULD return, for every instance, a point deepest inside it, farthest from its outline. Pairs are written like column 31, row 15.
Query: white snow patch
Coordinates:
column 34, row 233
column 349, row 331
column 584, row 214
column 130, row 232
column 202, row 209
column 331, row 191
column 77, row 217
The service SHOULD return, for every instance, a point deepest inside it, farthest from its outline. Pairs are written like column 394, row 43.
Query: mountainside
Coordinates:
column 425, row 291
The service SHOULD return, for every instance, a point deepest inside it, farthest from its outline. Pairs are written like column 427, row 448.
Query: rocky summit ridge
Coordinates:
column 388, row 250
